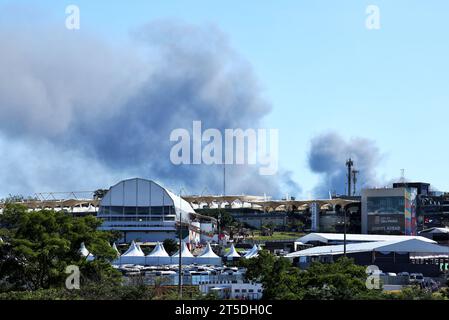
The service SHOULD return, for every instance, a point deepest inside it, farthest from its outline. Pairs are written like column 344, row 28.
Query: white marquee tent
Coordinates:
column 114, row 246
column 254, row 252
column 232, row 254
column 85, row 253
column 208, row 256
column 158, row 256
column 186, row 256
column 134, row 255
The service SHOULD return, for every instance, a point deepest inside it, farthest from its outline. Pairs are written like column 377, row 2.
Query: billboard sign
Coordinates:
column 410, row 211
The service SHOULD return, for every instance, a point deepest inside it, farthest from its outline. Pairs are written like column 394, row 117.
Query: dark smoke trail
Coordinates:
column 114, row 108
column 328, row 155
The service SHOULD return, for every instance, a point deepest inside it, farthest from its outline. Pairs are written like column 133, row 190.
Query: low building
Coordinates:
column 404, row 255
column 233, row 289
column 440, row 235
column 389, row 211
column 319, row 239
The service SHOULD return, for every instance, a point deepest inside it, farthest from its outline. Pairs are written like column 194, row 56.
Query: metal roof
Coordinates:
column 328, row 237
column 402, row 246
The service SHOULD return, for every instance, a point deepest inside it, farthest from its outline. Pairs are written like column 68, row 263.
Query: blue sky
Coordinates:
column 322, row 70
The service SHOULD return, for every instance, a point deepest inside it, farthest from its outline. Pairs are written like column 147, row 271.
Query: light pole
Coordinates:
column 180, row 246
column 219, row 227
column 344, row 230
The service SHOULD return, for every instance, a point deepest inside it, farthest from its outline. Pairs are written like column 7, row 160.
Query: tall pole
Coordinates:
column 349, row 164
column 180, row 251
column 354, row 180
column 344, row 230
column 224, row 178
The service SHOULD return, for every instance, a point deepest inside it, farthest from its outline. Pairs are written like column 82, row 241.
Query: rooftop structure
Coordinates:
column 412, row 245
column 337, row 238
column 144, row 210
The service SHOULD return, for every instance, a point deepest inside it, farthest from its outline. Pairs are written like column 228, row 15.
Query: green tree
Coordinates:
column 340, row 280
column 171, row 246
column 226, row 219
column 275, row 274
column 39, row 245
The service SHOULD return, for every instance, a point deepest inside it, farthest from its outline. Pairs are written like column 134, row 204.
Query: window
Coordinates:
column 116, row 210
column 104, row 210
column 143, row 210
column 130, row 210
column 156, row 210
column 385, row 205
column 237, row 290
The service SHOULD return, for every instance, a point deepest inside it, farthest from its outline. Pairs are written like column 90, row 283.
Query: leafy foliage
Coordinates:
column 171, row 246
column 341, row 280
column 39, row 245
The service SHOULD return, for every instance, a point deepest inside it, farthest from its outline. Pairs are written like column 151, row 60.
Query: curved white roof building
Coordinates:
column 143, row 211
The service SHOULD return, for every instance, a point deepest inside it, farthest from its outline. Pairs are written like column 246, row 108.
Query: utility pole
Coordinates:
column 344, row 230
column 180, row 247
column 349, row 164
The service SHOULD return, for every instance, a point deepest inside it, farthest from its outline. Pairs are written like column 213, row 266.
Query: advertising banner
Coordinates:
column 410, row 211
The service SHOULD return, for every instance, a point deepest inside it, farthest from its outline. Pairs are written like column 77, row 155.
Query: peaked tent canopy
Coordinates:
column 208, row 257
column 114, row 246
column 85, row 253
column 133, row 251
column 252, row 253
column 140, row 249
column 208, row 252
column 185, row 253
column 158, row 251
column 232, row 253
column 83, row 250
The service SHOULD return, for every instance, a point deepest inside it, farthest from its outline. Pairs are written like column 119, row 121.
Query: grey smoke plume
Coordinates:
column 108, row 112
column 328, row 155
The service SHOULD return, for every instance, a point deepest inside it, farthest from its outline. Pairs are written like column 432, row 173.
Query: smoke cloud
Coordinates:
column 78, row 113
column 328, row 155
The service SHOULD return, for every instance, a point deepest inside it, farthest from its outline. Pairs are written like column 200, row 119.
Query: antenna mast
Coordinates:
column 349, row 164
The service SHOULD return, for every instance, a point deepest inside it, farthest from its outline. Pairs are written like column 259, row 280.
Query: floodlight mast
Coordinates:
column 180, row 247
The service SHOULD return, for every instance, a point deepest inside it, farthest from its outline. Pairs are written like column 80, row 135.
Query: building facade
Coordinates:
column 389, row 211
column 142, row 210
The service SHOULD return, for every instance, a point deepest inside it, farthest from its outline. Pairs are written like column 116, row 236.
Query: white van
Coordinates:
column 416, row 278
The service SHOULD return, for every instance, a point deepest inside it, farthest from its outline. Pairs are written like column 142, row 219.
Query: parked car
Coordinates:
column 416, row 278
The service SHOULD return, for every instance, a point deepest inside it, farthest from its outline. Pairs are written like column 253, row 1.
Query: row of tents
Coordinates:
column 159, row 256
